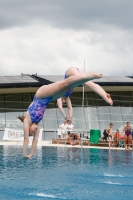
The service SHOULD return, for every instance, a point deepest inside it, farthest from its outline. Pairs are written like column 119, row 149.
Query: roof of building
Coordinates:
column 34, row 80
column 18, row 81
column 115, row 81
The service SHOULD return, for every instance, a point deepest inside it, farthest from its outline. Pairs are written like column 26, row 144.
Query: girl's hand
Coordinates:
column 69, row 121
column 26, row 157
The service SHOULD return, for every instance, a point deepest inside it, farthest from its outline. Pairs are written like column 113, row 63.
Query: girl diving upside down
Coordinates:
column 43, row 96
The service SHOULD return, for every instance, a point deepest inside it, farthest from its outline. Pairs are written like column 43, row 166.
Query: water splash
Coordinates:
column 113, row 183
column 114, row 175
column 42, row 195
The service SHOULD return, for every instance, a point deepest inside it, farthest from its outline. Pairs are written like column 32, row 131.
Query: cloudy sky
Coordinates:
column 48, row 37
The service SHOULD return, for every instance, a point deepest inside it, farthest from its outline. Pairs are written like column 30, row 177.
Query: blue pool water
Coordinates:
column 66, row 173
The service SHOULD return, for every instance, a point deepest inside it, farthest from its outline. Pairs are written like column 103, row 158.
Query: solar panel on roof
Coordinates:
column 17, row 79
column 52, row 78
column 36, row 80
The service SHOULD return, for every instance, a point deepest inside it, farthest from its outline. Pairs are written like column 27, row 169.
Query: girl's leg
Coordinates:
column 96, row 88
column 58, row 89
column 125, row 141
column 74, row 71
column 100, row 91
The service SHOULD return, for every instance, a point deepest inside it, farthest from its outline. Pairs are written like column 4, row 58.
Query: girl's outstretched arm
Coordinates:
column 69, row 106
column 26, row 137
column 99, row 90
column 34, row 142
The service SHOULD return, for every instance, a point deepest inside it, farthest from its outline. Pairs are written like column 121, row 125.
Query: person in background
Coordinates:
column 132, row 137
column 70, row 127
column 109, row 131
column 122, row 141
column 127, row 136
column 117, row 138
column 63, row 128
column 105, row 135
column 71, row 135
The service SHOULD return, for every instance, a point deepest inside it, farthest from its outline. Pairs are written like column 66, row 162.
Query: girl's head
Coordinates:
column 33, row 128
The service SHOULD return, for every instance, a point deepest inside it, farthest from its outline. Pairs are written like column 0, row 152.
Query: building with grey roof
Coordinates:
column 90, row 111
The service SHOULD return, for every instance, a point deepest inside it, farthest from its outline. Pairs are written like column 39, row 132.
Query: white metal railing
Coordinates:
column 80, row 132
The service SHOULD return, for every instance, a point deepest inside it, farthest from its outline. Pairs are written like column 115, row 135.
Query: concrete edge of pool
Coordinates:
column 49, row 143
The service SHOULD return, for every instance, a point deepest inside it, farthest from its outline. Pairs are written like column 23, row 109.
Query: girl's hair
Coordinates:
column 21, row 118
column 111, row 124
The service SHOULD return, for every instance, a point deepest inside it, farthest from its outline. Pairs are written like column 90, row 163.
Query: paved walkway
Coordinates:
column 49, row 143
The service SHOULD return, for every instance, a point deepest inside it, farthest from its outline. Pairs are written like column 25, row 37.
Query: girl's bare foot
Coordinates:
column 108, row 99
column 93, row 75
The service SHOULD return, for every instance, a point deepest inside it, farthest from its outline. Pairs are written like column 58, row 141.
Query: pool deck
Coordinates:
column 49, row 143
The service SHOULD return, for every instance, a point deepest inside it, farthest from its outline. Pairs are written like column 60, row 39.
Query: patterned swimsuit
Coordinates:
column 71, row 90
column 37, row 109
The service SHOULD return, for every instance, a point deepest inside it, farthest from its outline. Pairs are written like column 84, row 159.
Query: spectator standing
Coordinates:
column 63, row 128
column 132, row 138
column 109, row 131
column 127, row 137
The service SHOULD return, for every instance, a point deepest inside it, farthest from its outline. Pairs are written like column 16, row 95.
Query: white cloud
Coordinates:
column 42, row 49
column 47, row 37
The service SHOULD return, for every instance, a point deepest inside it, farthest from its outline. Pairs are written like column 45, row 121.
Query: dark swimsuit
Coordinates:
column 37, row 109
column 128, row 132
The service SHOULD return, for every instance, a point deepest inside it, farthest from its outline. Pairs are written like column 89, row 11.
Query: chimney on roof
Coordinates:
column 23, row 74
